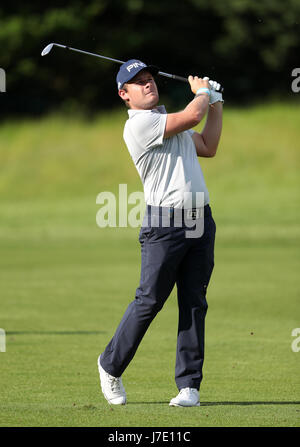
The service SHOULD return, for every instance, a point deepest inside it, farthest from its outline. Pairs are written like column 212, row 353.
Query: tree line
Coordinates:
column 249, row 46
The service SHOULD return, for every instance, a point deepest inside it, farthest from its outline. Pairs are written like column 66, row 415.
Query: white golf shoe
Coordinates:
column 187, row 397
column 112, row 387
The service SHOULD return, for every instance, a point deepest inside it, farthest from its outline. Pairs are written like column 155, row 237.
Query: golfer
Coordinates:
column 178, row 232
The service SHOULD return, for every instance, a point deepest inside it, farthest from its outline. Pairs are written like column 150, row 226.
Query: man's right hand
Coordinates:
column 197, row 83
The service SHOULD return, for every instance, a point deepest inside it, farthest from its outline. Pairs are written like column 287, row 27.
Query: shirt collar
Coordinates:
column 157, row 109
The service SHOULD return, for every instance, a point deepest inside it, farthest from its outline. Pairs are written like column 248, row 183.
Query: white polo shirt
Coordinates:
column 168, row 167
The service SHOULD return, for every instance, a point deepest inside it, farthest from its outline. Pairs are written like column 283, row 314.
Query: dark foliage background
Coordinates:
column 250, row 46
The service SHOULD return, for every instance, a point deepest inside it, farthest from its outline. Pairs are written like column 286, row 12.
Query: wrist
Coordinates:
column 203, row 90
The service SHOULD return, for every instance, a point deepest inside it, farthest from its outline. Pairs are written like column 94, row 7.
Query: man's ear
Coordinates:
column 123, row 94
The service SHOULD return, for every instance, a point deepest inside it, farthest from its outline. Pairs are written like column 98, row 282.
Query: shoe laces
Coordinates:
column 187, row 390
column 115, row 382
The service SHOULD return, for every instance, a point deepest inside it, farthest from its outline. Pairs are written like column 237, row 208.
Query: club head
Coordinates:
column 47, row 49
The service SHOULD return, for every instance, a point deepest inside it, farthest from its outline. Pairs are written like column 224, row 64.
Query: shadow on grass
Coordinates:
column 207, row 404
column 55, row 332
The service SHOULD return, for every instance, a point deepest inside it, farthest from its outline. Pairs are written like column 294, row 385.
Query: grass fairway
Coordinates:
column 65, row 283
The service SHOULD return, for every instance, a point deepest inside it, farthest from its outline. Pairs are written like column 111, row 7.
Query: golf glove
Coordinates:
column 215, row 95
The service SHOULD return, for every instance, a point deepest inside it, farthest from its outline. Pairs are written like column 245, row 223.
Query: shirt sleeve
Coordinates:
column 148, row 129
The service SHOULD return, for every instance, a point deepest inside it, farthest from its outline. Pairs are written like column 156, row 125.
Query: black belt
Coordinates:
column 160, row 215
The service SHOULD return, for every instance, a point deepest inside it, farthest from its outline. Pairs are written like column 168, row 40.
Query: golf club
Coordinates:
column 49, row 47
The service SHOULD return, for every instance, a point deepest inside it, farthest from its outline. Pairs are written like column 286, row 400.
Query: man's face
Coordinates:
column 141, row 92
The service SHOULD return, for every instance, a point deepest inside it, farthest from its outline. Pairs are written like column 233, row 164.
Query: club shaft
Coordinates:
column 161, row 73
column 94, row 54
column 172, row 76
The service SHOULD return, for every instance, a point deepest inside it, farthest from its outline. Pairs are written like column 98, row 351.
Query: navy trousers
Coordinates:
column 169, row 258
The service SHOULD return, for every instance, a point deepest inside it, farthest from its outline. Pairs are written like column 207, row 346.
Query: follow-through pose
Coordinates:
column 164, row 150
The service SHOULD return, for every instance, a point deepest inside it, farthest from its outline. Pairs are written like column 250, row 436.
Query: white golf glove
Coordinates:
column 215, row 96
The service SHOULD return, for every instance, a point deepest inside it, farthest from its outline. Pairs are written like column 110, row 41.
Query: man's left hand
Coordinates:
column 215, row 95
